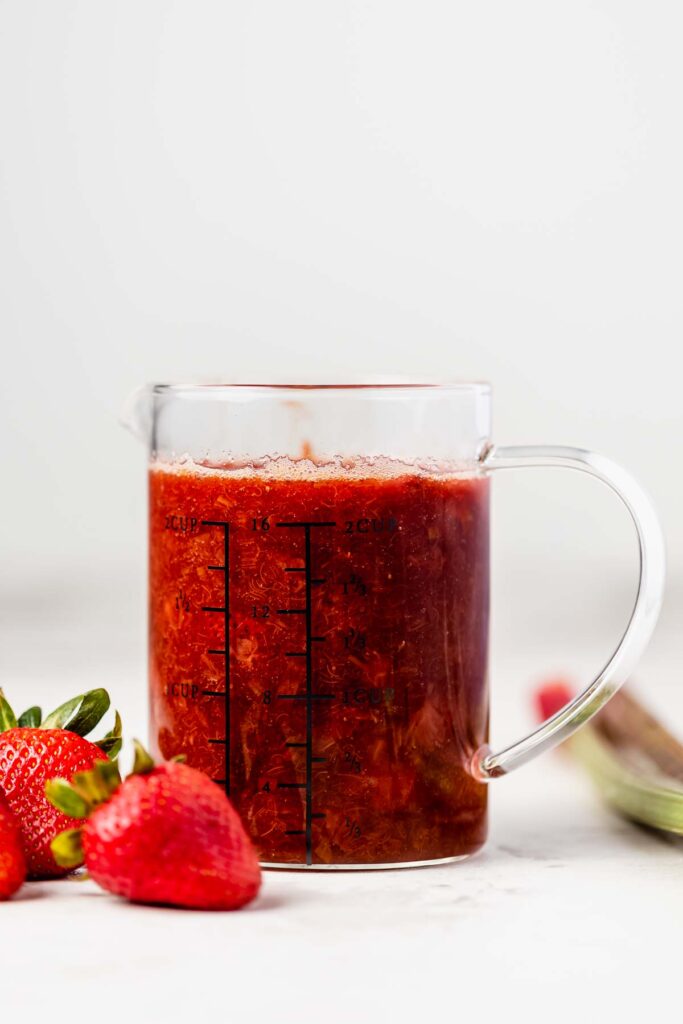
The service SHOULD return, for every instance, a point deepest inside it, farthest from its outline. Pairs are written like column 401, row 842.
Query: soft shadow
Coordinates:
column 269, row 901
column 552, row 838
column 29, row 891
column 272, row 901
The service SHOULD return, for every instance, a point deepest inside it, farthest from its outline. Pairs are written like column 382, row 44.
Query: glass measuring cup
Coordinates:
column 318, row 610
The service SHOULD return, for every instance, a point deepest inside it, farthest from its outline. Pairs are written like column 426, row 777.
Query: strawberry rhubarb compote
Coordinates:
column 319, row 648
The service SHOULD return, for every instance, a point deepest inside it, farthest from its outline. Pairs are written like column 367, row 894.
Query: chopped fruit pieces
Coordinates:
column 346, row 614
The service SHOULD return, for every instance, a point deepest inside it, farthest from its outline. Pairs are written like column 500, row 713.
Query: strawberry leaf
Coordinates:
column 80, row 714
column 8, row 719
column 67, row 848
column 66, row 799
column 30, row 719
column 143, row 763
column 111, row 743
column 57, row 718
column 109, row 775
column 90, row 786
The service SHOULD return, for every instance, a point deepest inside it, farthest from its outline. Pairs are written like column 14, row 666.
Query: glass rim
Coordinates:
column 423, row 387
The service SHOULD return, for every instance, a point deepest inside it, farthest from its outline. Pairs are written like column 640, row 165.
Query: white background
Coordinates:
column 273, row 190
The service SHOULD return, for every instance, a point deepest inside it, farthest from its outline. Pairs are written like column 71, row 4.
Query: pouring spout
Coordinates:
column 137, row 413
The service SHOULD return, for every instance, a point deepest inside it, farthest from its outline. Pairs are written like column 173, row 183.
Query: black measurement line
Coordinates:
column 213, row 693
column 295, row 832
column 224, row 610
column 291, row 611
column 291, row 785
column 309, row 696
column 295, row 744
column 309, row 704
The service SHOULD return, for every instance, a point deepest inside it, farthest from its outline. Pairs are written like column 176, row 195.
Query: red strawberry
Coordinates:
column 12, row 863
column 31, row 753
column 167, row 834
column 552, row 696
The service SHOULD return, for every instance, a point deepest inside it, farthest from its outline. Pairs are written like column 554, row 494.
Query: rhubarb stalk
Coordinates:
column 633, row 760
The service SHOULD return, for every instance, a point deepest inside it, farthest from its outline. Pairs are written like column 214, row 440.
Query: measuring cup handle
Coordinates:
column 488, row 765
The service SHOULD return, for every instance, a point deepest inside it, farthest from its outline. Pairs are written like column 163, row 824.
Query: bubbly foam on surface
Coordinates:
column 283, row 467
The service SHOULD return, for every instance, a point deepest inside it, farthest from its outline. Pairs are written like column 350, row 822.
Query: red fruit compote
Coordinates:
column 318, row 646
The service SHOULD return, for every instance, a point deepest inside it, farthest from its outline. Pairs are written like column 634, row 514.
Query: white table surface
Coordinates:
column 568, row 906
column 565, row 903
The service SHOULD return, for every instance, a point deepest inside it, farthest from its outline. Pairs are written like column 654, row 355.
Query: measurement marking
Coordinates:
column 291, row 611
column 318, row 581
column 295, row 832
column 221, row 782
column 291, row 785
column 213, row 693
column 318, row 814
column 305, row 696
column 224, row 610
column 309, row 696
column 318, row 639
column 319, row 760
column 295, row 744
column 309, row 703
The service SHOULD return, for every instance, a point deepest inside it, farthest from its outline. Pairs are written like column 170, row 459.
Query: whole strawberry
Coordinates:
column 167, row 834
column 12, row 862
column 32, row 752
